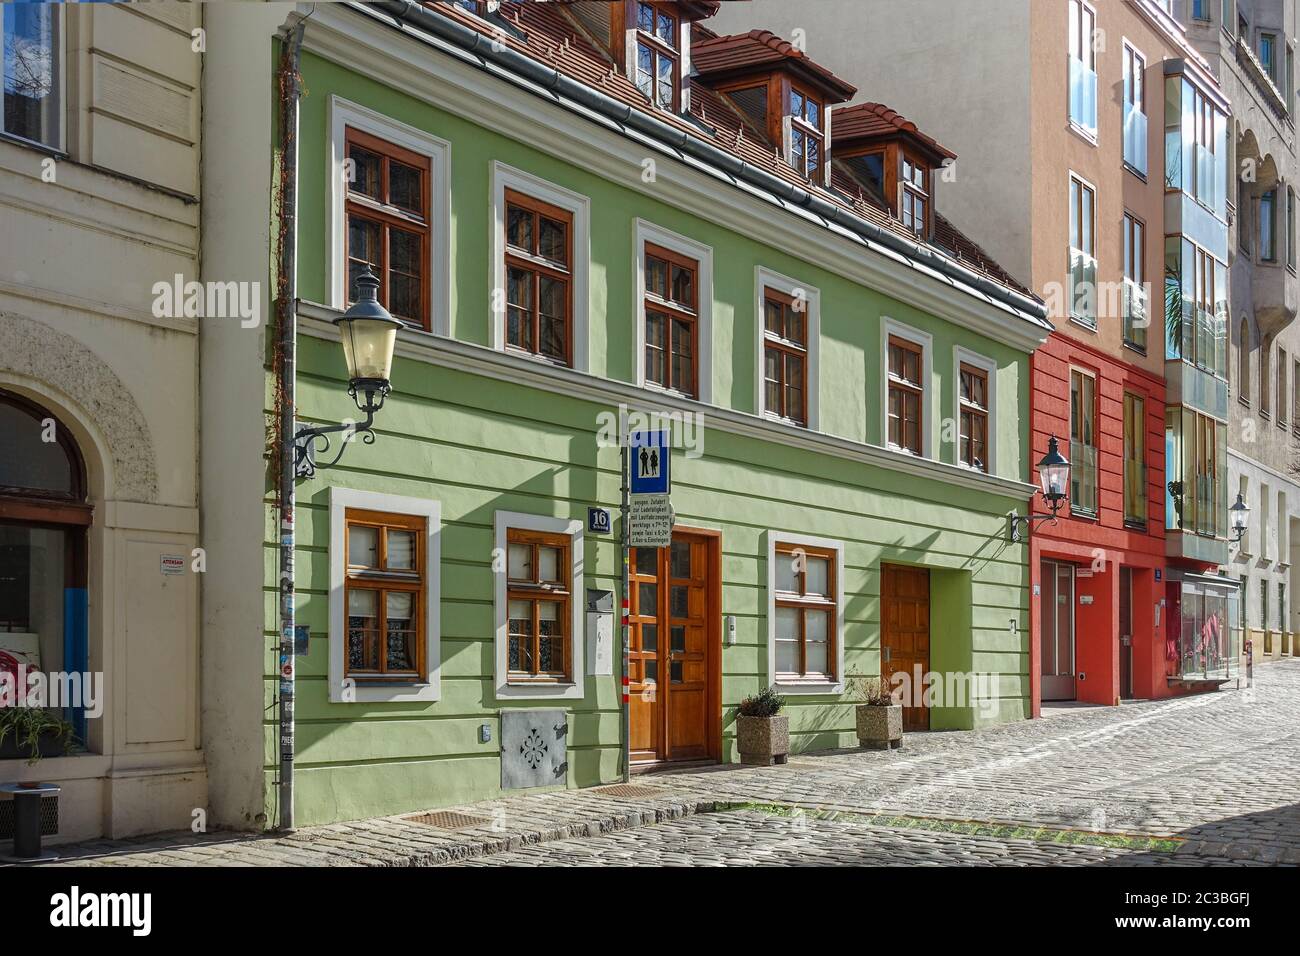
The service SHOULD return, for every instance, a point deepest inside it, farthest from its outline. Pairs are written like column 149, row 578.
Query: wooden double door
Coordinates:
column 675, row 643
column 905, row 636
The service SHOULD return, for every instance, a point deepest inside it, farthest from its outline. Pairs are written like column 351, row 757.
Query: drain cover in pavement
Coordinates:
column 632, row 790
column 448, row 820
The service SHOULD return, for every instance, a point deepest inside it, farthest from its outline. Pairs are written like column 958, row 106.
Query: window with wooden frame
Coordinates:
column 658, row 55
column 1083, row 443
column 538, row 595
column 477, row 7
column 383, row 596
column 785, row 356
column 671, row 320
column 914, row 199
column 906, row 394
column 973, row 404
column 807, row 139
column 539, row 278
column 806, row 612
column 388, row 224
column 1135, row 472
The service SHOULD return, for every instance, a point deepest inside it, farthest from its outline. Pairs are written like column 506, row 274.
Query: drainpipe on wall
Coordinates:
column 291, row 93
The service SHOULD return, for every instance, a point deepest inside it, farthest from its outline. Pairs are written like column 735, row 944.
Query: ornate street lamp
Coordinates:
column 1239, row 519
column 369, row 334
column 1053, row 478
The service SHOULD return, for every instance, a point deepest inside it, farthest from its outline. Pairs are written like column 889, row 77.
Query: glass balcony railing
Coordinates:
column 1083, row 478
column 1136, row 317
column 1135, row 138
column 1204, row 515
column 1206, row 173
column 1083, row 96
column 1083, row 288
column 1135, row 492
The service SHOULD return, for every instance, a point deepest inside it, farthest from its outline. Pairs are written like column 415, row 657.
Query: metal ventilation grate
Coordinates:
column 632, row 790
column 448, row 820
column 49, row 817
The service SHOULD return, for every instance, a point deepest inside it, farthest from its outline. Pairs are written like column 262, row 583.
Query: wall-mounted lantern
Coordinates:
column 1239, row 519
column 1053, row 478
column 369, row 334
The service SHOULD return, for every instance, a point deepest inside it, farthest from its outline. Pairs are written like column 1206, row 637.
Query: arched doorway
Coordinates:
column 44, row 517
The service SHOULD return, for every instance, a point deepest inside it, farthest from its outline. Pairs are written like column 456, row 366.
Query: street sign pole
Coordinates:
column 623, row 629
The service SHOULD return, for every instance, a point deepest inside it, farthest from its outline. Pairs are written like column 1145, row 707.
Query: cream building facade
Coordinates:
column 100, row 547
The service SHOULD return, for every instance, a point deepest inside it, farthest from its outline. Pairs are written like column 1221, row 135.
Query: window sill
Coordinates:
column 1082, row 132
column 535, row 356
column 1136, row 524
column 781, row 420
column 674, row 393
column 1134, row 170
column 1085, row 515
column 1134, row 347
column 54, row 151
column 1083, row 323
column 807, row 686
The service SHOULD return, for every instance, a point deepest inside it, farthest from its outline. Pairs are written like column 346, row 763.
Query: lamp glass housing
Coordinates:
column 368, row 345
column 1239, row 515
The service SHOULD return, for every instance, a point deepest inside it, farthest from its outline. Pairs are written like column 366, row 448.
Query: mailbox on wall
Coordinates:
column 600, row 633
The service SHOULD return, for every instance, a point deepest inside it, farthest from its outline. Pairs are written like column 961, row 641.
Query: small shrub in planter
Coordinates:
column 879, row 716
column 33, row 732
column 762, row 731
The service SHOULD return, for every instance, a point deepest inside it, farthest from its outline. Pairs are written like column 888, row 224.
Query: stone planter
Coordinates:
column 763, row 741
column 880, row 726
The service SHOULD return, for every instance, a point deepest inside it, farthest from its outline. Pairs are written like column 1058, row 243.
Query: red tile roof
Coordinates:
column 552, row 35
column 759, row 51
column 865, row 122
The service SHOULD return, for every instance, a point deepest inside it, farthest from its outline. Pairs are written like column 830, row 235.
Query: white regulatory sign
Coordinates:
column 650, row 521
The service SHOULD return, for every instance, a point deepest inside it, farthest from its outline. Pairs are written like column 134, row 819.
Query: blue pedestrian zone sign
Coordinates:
column 648, row 454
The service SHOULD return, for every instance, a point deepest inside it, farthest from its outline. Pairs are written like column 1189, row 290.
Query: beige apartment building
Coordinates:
column 1092, row 150
column 100, row 547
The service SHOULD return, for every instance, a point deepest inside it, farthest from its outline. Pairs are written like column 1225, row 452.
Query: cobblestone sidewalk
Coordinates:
column 1194, row 781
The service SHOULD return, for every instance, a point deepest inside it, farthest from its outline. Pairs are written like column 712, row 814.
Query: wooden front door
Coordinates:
column 905, row 636
column 672, row 627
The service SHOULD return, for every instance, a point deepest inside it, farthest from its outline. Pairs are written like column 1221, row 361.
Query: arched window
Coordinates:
column 1243, row 363
column 43, row 520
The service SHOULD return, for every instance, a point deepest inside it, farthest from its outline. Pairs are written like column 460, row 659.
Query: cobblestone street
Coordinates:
column 1202, row 780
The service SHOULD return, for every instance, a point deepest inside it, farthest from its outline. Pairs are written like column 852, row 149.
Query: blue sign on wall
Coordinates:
column 648, row 462
column 598, row 520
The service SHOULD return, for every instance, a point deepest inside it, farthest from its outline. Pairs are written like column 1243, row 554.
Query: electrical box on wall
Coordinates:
column 600, row 633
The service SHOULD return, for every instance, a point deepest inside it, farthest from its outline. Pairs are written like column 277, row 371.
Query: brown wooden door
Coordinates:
column 905, row 635
column 670, row 661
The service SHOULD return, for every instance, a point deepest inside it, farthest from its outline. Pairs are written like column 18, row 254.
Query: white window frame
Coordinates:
column 925, row 340
column 579, row 207
column 61, row 107
column 964, row 356
column 765, row 279
column 647, row 232
column 503, row 521
column 344, row 113
column 361, row 692
column 836, row 686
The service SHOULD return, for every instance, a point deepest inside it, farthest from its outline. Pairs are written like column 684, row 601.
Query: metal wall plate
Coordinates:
column 534, row 748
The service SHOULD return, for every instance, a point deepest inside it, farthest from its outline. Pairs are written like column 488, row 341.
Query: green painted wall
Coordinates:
column 479, row 445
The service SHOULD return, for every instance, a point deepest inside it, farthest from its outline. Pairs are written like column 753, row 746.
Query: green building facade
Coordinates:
column 484, row 451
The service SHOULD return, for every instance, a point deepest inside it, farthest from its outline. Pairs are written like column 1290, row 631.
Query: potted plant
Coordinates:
column 762, row 731
column 33, row 732
column 879, row 716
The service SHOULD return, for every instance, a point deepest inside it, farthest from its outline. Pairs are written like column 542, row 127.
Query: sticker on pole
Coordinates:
column 650, row 521
column 648, row 454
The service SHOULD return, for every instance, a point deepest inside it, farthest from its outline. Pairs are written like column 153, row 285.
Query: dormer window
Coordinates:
column 658, row 55
column 892, row 160
column 914, row 203
column 781, row 92
column 807, row 137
